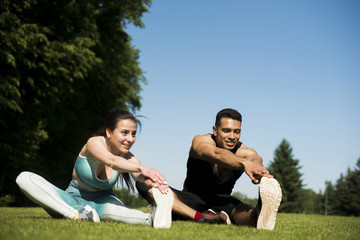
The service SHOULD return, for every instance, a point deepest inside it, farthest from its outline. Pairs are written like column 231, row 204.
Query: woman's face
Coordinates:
column 123, row 137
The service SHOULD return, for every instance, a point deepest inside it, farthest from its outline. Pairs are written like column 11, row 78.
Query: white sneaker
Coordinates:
column 162, row 208
column 88, row 213
column 270, row 195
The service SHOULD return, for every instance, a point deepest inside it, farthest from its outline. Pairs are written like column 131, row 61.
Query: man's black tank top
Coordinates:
column 200, row 177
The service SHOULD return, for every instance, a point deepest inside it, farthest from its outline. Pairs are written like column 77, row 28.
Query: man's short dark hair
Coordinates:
column 227, row 113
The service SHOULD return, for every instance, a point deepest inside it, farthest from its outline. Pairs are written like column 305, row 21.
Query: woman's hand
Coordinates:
column 154, row 178
column 164, row 188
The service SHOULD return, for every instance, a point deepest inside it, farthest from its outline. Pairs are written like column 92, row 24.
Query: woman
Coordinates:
column 101, row 161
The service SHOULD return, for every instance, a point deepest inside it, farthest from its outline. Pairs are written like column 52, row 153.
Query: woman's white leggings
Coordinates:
column 60, row 203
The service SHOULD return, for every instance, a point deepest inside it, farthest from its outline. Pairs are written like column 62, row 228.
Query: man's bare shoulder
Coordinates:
column 202, row 146
column 203, row 138
column 245, row 151
column 243, row 146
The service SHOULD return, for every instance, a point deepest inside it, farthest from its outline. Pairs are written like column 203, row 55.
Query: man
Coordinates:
column 216, row 161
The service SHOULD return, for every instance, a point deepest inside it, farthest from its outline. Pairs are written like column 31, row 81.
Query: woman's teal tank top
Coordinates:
column 85, row 169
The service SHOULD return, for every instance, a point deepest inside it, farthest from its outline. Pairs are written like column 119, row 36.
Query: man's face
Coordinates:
column 228, row 133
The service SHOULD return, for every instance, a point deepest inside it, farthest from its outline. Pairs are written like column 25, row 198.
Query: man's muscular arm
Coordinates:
column 254, row 166
column 203, row 147
column 246, row 159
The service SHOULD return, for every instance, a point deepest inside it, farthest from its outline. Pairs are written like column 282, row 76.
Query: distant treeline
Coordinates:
column 342, row 198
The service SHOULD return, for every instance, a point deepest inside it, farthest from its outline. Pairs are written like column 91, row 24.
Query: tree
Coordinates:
column 129, row 199
column 353, row 181
column 286, row 170
column 346, row 197
column 64, row 64
column 310, row 201
column 330, row 199
column 245, row 199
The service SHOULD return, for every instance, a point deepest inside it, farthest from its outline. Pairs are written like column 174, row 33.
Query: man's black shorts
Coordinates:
column 200, row 203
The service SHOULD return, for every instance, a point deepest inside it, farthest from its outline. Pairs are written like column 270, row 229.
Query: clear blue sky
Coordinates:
column 291, row 68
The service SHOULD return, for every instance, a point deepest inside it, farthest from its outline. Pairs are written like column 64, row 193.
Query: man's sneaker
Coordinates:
column 213, row 217
column 87, row 213
column 224, row 218
column 269, row 202
column 162, row 208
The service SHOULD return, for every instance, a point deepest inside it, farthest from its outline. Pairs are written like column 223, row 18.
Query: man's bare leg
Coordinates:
column 242, row 215
column 187, row 212
column 179, row 207
column 182, row 209
column 264, row 215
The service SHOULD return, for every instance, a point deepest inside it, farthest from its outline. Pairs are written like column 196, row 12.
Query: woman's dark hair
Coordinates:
column 227, row 113
column 111, row 122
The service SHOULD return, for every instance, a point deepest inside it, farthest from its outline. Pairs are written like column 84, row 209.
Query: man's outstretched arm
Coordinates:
column 245, row 159
column 254, row 165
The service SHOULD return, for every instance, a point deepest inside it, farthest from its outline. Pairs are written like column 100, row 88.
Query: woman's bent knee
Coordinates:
column 23, row 178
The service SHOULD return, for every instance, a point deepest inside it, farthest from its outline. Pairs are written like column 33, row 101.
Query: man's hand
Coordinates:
column 252, row 164
column 255, row 169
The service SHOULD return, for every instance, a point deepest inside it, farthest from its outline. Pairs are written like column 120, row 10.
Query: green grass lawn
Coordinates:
column 35, row 223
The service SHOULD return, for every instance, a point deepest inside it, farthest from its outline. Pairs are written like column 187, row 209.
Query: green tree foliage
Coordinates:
column 330, row 199
column 310, row 202
column 286, row 170
column 353, row 181
column 129, row 199
column 245, row 199
column 63, row 65
column 344, row 198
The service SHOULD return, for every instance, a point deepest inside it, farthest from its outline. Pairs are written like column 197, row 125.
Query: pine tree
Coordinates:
column 342, row 196
column 347, row 193
column 354, row 190
column 330, row 199
column 286, row 170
